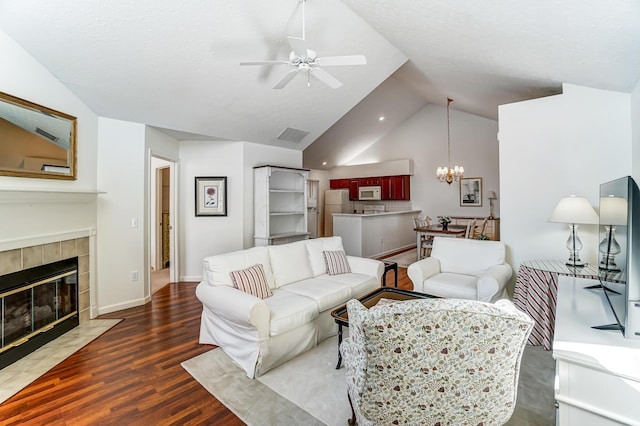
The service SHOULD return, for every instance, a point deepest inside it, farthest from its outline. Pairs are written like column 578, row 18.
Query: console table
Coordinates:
column 536, row 292
column 597, row 371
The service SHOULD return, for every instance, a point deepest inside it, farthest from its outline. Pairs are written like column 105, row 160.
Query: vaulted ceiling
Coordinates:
column 175, row 64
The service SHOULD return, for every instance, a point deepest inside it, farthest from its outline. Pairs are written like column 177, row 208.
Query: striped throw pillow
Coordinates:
column 336, row 262
column 252, row 281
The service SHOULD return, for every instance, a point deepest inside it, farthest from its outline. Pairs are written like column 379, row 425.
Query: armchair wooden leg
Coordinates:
column 352, row 420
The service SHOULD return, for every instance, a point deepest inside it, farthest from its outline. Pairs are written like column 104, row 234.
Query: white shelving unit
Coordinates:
column 597, row 371
column 280, row 205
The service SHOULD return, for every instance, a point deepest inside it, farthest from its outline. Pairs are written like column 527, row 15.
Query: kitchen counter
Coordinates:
column 375, row 234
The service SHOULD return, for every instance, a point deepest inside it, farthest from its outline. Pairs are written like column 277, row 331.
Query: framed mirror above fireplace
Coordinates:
column 36, row 141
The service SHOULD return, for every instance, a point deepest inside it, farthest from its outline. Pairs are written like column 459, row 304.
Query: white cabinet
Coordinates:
column 597, row 371
column 280, row 205
column 375, row 235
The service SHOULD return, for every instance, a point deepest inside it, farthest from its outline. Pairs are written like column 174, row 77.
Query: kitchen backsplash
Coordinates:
column 391, row 206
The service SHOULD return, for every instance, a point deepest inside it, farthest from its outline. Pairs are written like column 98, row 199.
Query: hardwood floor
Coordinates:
column 131, row 375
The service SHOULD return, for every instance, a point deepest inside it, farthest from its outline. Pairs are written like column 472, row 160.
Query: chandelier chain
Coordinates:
column 449, row 100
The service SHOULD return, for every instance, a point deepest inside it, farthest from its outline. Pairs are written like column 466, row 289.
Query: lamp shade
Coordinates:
column 492, row 195
column 613, row 210
column 574, row 210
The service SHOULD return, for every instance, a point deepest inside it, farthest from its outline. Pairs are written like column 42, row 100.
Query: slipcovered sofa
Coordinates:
column 463, row 268
column 294, row 315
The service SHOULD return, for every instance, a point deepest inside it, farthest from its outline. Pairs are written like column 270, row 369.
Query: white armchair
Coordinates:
column 463, row 269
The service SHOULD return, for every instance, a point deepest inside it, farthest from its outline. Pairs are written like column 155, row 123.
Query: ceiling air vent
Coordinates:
column 46, row 134
column 292, row 135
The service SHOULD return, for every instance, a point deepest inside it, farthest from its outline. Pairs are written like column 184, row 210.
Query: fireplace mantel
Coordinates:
column 30, row 196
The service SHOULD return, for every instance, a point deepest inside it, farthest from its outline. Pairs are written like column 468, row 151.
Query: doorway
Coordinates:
column 162, row 219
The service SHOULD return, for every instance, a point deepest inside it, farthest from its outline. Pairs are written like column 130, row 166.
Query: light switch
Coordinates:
column 134, row 223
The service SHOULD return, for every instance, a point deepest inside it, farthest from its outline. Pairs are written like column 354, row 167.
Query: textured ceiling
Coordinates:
column 174, row 64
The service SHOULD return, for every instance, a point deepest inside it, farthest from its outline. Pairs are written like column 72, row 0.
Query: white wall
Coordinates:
column 121, row 247
column 205, row 236
column 423, row 138
column 323, row 177
column 22, row 76
column 635, row 130
column 161, row 150
column 554, row 147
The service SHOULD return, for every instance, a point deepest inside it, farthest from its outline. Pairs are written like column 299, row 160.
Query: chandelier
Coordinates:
column 447, row 173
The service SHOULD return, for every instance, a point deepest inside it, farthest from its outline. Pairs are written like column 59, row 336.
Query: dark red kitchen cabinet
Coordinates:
column 400, row 188
column 339, row 183
column 354, row 185
column 386, row 185
column 370, row 181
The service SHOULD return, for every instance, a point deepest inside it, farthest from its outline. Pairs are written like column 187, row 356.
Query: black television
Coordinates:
column 619, row 254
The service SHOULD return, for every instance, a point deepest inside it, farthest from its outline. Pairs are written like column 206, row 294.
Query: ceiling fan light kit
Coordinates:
column 305, row 60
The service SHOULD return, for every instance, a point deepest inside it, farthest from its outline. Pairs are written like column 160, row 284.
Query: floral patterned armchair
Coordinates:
column 434, row 361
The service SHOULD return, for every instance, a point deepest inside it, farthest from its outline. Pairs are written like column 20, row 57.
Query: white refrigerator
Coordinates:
column 335, row 201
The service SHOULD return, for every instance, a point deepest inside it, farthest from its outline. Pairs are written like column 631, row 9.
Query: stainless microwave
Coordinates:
column 369, row 193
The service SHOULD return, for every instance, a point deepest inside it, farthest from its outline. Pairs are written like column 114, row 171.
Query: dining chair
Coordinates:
column 482, row 227
column 471, row 227
column 425, row 242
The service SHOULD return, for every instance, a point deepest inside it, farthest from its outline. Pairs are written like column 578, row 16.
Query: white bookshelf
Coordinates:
column 280, row 205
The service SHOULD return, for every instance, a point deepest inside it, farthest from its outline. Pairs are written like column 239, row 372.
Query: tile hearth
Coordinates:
column 18, row 375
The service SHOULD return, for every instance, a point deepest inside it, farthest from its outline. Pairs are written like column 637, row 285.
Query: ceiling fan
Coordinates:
column 304, row 60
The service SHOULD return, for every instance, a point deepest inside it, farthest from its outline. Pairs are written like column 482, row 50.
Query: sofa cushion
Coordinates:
column 252, row 281
column 360, row 284
column 217, row 269
column 336, row 261
column 327, row 293
column 289, row 311
column 467, row 256
column 316, row 246
column 455, row 286
column 289, row 263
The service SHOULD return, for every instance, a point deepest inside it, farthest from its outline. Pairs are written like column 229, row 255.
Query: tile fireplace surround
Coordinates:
column 19, row 259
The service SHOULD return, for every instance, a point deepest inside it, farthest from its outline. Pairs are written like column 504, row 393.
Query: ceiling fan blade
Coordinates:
column 264, row 63
column 325, row 77
column 286, row 79
column 331, row 61
column 299, row 47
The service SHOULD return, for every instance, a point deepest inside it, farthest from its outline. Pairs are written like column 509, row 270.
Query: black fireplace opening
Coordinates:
column 37, row 306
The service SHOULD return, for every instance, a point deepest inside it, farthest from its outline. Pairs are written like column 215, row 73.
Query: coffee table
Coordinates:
column 341, row 316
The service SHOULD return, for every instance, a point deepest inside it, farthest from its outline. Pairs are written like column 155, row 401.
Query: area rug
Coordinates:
column 309, row 390
column 405, row 258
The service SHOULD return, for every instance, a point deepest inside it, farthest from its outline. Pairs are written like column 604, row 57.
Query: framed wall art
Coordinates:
column 471, row 192
column 211, row 196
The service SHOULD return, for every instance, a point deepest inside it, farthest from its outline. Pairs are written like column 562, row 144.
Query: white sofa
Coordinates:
column 463, row 268
column 260, row 334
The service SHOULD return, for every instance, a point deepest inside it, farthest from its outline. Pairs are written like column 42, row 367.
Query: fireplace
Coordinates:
column 37, row 305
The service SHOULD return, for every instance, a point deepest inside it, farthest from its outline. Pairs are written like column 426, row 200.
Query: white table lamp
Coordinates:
column 613, row 212
column 573, row 211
